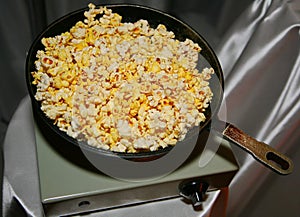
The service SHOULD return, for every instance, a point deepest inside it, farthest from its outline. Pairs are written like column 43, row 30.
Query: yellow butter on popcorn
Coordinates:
column 125, row 87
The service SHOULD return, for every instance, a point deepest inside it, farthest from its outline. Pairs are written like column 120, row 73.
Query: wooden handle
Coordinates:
column 261, row 151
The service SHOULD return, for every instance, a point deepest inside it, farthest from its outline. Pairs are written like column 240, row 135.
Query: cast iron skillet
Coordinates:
column 131, row 13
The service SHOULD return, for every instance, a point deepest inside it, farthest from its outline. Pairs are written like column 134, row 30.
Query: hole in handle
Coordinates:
column 84, row 203
column 278, row 160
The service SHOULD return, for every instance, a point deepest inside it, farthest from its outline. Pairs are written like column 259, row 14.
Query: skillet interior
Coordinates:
column 130, row 13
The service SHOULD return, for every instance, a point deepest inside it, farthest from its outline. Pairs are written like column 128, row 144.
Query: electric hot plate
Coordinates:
column 68, row 188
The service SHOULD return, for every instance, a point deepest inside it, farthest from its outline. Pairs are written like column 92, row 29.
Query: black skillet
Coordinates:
column 131, row 13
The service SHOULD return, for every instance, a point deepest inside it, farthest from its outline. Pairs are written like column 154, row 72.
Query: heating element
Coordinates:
column 68, row 188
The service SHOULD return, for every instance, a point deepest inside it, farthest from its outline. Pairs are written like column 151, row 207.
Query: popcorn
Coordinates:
column 125, row 87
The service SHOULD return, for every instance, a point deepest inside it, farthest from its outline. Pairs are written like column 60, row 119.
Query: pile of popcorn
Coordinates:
column 123, row 87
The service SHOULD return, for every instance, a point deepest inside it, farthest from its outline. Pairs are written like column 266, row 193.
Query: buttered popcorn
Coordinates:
column 123, row 87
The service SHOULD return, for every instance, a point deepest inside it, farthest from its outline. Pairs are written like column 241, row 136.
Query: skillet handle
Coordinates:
column 261, row 151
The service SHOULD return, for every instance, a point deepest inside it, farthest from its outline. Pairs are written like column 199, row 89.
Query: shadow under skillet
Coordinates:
column 64, row 148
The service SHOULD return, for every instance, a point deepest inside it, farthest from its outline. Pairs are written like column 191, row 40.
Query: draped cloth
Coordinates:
column 260, row 57
column 259, row 50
